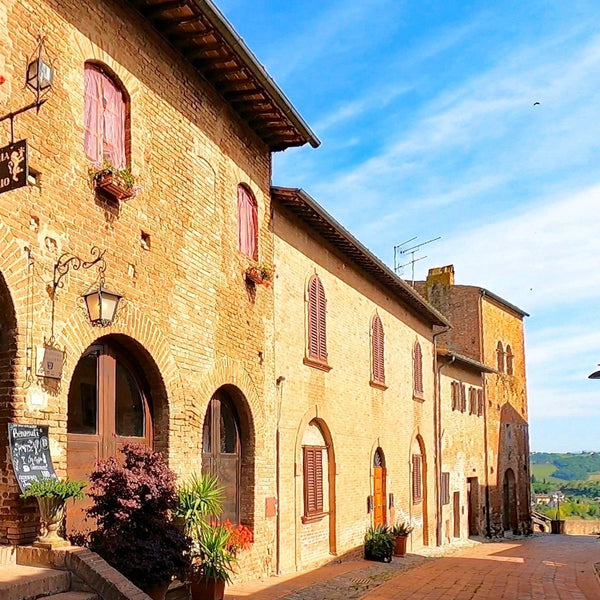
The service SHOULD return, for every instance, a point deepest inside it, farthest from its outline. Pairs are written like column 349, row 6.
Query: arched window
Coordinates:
column 105, row 118
column 500, row 357
column 377, row 355
column 417, row 370
column 317, row 308
column 509, row 360
column 247, row 222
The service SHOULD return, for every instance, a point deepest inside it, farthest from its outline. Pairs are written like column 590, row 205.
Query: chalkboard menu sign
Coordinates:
column 30, row 452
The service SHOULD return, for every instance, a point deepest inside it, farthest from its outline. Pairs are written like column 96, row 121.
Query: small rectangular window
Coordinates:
column 445, row 491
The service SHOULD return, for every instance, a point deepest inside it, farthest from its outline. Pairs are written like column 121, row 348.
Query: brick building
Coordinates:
column 321, row 400
column 488, row 331
column 354, row 357
column 171, row 93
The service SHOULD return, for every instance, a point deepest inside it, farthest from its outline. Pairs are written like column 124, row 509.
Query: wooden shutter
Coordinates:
column 418, row 369
column 417, row 477
column 317, row 310
column 472, row 401
column 322, row 305
column 479, row 403
column 313, row 480
column 454, row 391
column 377, row 352
column 463, row 397
column 445, row 491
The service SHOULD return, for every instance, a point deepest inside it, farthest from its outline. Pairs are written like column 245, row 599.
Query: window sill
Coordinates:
column 378, row 385
column 316, row 363
column 418, row 396
column 314, row 517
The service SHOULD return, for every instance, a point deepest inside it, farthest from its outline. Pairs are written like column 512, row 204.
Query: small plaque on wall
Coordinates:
column 50, row 362
column 270, row 507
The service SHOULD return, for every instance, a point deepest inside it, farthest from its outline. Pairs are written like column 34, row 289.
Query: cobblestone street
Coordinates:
column 543, row 567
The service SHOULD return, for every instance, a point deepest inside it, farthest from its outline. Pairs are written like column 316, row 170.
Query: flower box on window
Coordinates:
column 117, row 183
column 260, row 275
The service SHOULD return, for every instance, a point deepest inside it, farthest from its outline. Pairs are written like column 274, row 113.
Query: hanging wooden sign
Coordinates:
column 14, row 168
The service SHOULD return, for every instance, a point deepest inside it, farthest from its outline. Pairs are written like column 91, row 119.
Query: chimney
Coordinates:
column 441, row 275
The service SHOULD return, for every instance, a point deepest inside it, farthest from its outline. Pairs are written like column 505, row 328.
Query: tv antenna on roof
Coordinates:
column 400, row 254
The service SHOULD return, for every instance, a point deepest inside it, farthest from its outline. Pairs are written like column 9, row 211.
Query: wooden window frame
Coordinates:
column 417, row 478
column 313, row 496
column 377, row 354
column 316, row 325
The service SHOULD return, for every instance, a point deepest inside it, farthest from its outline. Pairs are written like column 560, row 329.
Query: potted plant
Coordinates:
column 117, row 183
column 52, row 494
column 401, row 530
column 134, row 500
column 379, row 544
column 199, row 498
column 557, row 525
column 213, row 563
column 260, row 274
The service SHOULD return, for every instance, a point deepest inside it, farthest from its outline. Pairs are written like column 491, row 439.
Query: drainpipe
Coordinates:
column 437, row 428
column 279, row 387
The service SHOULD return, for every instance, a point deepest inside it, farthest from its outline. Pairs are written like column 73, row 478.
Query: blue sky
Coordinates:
column 428, row 128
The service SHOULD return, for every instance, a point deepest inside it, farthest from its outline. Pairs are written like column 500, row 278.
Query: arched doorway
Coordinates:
column 228, row 452
column 379, row 489
column 109, row 404
column 509, row 513
column 222, row 450
column 419, row 513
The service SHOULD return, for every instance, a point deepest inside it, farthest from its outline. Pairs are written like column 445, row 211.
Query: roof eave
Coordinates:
column 225, row 28
column 413, row 299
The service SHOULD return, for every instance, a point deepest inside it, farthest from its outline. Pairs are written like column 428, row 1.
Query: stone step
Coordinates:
column 8, row 555
column 28, row 583
column 72, row 596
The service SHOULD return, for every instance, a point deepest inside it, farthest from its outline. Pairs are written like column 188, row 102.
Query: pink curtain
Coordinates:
column 247, row 222
column 93, row 109
column 114, row 124
column 105, row 113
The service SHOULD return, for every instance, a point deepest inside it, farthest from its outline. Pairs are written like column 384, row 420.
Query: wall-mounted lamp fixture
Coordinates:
column 40, row 74
column 101, row 303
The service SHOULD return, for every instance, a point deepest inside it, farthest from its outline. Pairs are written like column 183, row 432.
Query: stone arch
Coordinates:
column 316, row 416
column 229, row 371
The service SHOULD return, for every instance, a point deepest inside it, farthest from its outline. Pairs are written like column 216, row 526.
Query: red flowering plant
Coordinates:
column 240, row 536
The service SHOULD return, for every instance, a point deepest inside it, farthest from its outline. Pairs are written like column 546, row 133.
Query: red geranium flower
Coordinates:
column 2, row 79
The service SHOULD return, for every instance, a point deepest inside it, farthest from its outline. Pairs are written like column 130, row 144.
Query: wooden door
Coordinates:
column 379, row 491
column 107, row 407
column 473, row 505
column 456, row 511
column 221, row 451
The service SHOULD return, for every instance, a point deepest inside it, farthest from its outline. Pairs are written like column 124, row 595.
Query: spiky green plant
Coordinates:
column 216, row 561
column 200, row 498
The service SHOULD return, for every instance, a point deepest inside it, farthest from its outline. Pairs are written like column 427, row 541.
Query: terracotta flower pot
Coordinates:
column 400, row 545
column 158, row 591
column 52, row 512
column 208, row 589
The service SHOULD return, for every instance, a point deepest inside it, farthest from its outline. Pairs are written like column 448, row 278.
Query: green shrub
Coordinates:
column 379, row 544
column 52, row 487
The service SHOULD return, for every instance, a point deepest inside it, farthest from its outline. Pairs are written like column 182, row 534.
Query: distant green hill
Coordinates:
column 566, row 467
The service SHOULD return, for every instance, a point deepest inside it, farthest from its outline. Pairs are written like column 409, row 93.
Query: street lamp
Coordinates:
column 100, row 302
column 101, row 306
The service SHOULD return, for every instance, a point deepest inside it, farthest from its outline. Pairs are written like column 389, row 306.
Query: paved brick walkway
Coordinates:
column 545, row 567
